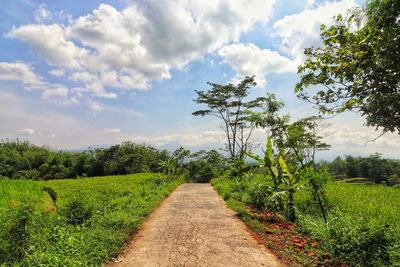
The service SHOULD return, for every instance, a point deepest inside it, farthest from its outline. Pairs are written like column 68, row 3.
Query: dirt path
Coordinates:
column 193, row 227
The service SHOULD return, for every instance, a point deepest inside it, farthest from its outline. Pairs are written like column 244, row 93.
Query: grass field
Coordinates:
column 376, row 204
column 75, row 222
column 358, row 216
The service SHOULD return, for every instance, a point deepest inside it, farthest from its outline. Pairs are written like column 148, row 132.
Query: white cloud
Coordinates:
column 310, row 3
column 248, row 59
column 187, row 139
column 42, row 13
column 57, row 49
column 302, row 30
column 23, row 73
column 360, row 137
column 111, row 130
column 57, row 72
column 127, row 49
column 95, row 105
column 27, row 131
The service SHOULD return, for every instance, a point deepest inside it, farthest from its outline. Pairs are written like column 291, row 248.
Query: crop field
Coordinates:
column 75, row 222
column 375, row 204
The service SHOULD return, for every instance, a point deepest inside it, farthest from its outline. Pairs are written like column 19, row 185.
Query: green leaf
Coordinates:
column 255, row 157
column 269, row 157
column 284, row 167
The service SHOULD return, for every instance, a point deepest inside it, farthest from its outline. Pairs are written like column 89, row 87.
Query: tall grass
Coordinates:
column 89, row 222
column 364, row 223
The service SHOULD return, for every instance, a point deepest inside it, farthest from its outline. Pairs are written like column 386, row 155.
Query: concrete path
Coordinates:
column 193, row 227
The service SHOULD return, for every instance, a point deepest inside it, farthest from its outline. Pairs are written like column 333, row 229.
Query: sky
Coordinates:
column 79, row 73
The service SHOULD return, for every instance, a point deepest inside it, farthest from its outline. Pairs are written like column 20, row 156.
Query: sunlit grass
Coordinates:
column 117, row 205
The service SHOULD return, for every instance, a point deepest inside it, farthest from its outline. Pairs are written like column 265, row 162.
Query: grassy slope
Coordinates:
column 119, row 204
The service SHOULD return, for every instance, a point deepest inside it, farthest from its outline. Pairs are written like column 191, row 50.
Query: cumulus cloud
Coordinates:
column 23, row 73
column 27, row 131
column 127, row 49
column 302, row 30
column 248, row 59
column 111, row 130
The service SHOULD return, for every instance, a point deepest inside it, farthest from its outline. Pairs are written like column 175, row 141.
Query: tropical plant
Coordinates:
column 285, row 183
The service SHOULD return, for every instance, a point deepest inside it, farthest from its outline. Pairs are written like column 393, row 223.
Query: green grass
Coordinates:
column 15, row 191
column 113, row 208
column 360, row 218
column 376, row 204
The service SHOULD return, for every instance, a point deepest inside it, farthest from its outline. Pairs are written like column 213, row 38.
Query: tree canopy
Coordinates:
column 358, row 65
column 230, row 103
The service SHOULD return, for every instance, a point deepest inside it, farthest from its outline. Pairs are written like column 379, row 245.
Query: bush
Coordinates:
column 14, row 235
column 77, row 212
column 199, row 172
column 27, row 174
column 353, row 241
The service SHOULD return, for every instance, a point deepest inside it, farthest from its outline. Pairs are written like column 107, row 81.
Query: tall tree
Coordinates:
column 230, row 103
column 358, row 65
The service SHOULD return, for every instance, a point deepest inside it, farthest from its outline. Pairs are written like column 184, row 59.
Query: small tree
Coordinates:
column 230, row 103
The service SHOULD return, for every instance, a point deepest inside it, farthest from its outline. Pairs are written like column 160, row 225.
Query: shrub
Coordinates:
column 199, row 171
column 77, row 212
column 27, row 174
column 263, row 196
column 14, row 235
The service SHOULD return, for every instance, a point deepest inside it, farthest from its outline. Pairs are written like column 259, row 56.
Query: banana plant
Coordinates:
column 169, row 166
column 290, row 184
column 284, row 182
column 270, row 162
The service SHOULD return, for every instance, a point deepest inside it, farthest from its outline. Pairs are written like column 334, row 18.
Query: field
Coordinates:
column 75, row 222
column 375, row 204
column 359, row 216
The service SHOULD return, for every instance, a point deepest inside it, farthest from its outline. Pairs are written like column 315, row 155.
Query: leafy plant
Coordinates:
column 77, row 212
column 14, row 234
column 284, row 183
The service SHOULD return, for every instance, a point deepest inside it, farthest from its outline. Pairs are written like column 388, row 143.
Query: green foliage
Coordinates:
column 57, row 236
column 358, row 65
column 51, row 192
column 370, row 207
column 199, row 171
column 363, row 230
column 284, row 182
column 14, row 235
column 262, row 196
column 375, row 168
column 204, row 165
column 352, row 240
column 23, row 160
column 230, row 103
column 77, row 212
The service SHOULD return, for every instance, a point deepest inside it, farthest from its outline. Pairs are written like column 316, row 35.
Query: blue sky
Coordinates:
column 79, row 73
